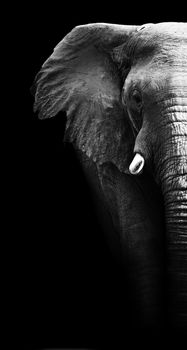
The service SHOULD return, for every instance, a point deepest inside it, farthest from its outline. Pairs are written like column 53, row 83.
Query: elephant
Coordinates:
column 124, row 91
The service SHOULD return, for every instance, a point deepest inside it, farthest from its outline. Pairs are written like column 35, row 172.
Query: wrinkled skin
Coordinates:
column 124, row 89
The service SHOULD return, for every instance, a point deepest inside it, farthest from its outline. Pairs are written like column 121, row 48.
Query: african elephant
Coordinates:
column 124, row 91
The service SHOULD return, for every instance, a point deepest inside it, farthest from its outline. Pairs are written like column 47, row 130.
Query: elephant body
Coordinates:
column 124, row 90
column 136, row 240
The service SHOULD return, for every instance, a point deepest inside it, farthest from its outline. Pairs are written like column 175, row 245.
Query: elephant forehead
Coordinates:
column 165, row 40
column 172, row 28
column 165, row 30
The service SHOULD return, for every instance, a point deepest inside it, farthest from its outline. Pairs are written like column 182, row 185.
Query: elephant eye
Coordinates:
column 136, row 99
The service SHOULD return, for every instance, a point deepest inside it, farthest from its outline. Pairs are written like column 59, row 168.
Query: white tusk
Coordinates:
column 137, row 164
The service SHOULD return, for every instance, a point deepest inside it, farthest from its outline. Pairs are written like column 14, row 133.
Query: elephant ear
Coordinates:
column 82, row 78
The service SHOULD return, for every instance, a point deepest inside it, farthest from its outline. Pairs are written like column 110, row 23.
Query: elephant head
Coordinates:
column 124, row 90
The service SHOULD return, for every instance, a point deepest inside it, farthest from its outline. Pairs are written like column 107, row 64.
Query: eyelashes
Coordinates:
column 136, row 99
column 133, row 102
column 133, row 99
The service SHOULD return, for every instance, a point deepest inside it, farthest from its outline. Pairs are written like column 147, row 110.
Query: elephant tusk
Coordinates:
column 137, row 164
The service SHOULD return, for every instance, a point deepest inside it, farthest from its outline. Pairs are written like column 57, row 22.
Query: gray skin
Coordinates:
column 124, row 90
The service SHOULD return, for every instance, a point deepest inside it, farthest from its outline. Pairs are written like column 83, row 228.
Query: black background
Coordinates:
column 72, row 292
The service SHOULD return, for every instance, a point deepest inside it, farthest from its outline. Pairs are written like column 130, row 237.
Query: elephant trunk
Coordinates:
column 172, row 174
column 175, row 196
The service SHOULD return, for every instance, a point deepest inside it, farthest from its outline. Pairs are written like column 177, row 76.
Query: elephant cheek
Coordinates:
column 142, row 150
